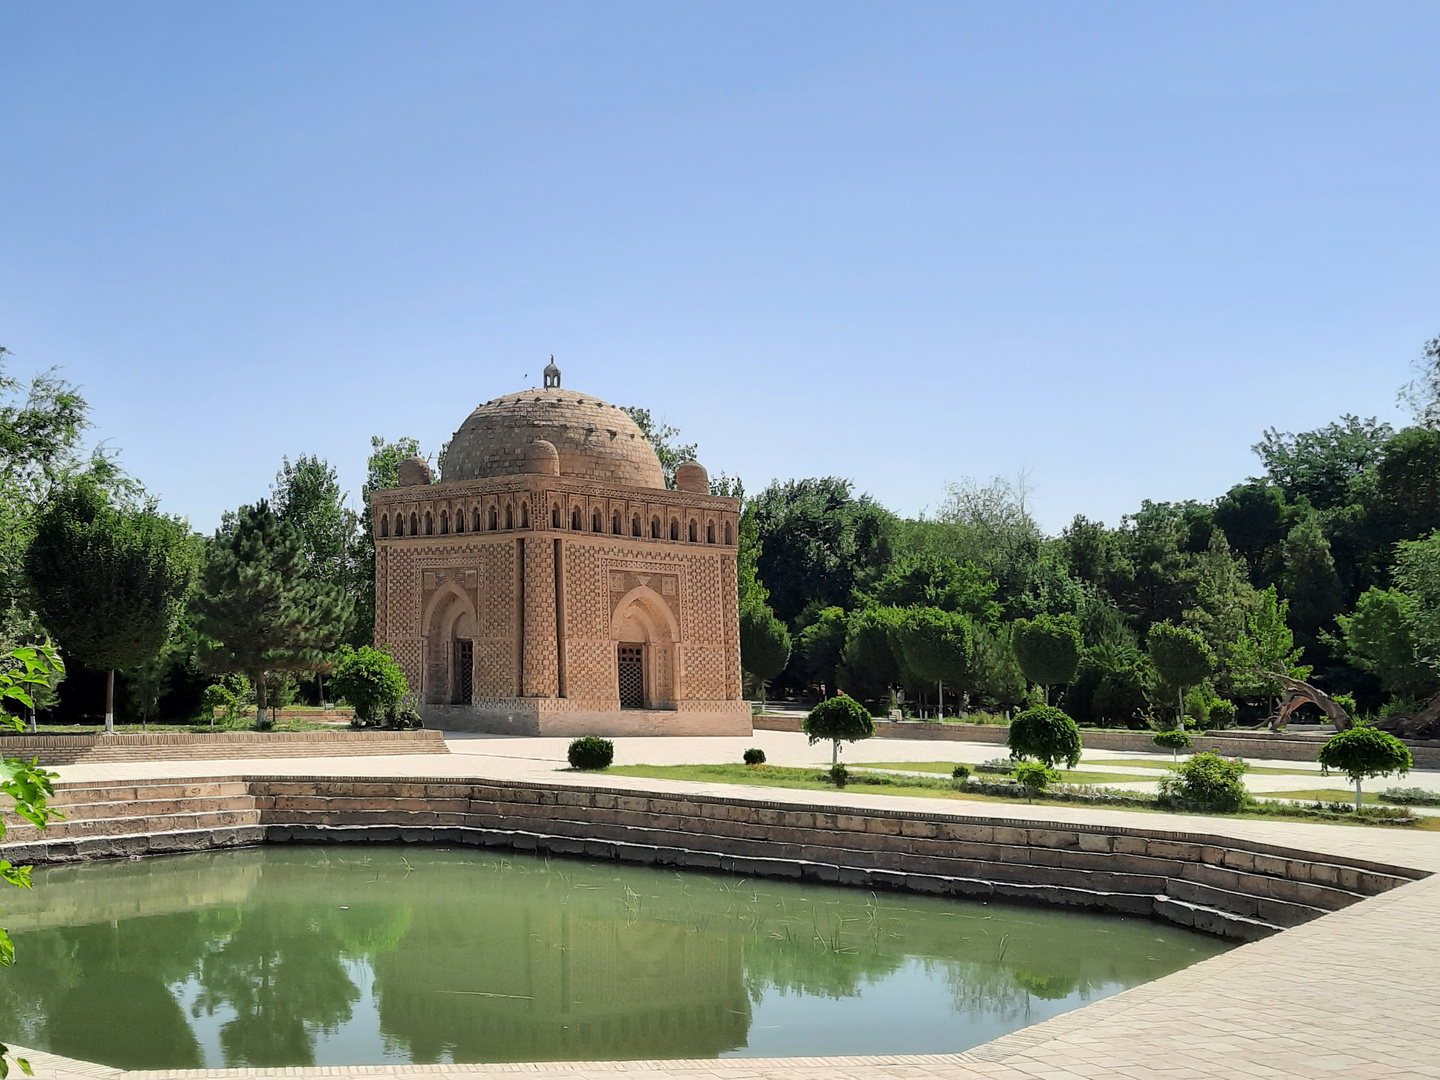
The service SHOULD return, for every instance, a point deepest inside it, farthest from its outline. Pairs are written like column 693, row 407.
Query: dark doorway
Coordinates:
column 631, row 665
column 464, row 672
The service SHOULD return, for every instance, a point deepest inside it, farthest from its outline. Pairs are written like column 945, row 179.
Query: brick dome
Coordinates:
column 593, row 439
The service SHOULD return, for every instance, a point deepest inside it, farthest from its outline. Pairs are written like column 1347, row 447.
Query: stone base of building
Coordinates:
column 571, row 719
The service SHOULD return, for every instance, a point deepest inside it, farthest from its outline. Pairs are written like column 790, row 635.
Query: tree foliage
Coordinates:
column 663, row 440
column 1048, row 648
column 370, row 680
column 764, row 643
column 259, row 608
column 1045, row 734
column 839, row 719
column 1362, row 752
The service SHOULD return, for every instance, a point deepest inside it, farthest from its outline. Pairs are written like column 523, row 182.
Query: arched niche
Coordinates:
column 644, row 633
column 450, row 626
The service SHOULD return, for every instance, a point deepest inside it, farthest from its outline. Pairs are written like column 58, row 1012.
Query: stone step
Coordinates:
column 1262, row 908
column 1213, row 921
column 126, row 826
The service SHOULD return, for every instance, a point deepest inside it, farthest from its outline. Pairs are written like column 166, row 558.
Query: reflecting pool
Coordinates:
column 376, row 954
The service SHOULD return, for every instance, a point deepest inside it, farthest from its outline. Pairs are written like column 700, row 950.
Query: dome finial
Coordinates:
column 552, row 375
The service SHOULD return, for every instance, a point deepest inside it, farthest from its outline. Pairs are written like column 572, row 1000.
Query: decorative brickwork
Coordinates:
column 466, row 573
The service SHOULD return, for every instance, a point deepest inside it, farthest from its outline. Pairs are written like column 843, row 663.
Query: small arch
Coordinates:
column 575, row 519
column 444, row 522
column 524, row 515
column 509, row 516
column 694, row 531
column 635, row 525
column 384, row 525
column 494, row 518
column 615, row 523
column 414, row 525
column 729, row 538
column 460, row 520
column 399, row 524
column 554, row 515
column 429, row 524
column 674, row 528
column 595, row 524
column 709, row 532
column 654, row 528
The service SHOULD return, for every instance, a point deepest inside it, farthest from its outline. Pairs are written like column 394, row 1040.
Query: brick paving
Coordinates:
column 1352, row 994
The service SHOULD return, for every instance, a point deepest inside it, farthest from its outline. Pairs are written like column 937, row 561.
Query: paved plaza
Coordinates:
column 1353, row 994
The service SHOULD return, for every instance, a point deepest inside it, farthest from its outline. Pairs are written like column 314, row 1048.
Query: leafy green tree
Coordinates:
column 1254, row 518
column 1181, row 659
column 1174, row 740
column 108, row 581
column 868, row 666
column 1417, row 572
column 381, row 474
column 1407, row 485
column 307, row 495
column 764, row 644
column 1045, row 734
column 1324, row 465
column 1153, row 577
column 1362, row 752
column 260, row 608
column 992, row 659
column 1048, row 649
column 663, row 439
column 747, row 561
column 369, row 679
column 1309, row 580
column 1422, row 393
column 935, row 645
column 818, row 542
column 1266, row 644
column 1378, row 637
column 1088, row 550
column 936, row 582
column 821, row 644
column 838, row 719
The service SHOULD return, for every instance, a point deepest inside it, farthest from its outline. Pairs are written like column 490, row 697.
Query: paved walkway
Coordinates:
column 1354, row 994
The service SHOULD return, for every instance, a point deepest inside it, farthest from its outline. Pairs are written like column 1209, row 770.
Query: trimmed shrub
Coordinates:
column 1363, row 752
column 838, row 718
column 369, row 680
column 1034, row 776
column 754, row 756
column 1045, row 734
column 839, row 775
column 961, row 773
column 1174, row 741
column 1207, row 781
column 591, row 752
column 1222, row 714
column 1410, row 796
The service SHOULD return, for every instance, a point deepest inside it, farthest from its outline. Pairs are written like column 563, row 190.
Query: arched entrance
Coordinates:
column 450, row 648
column 644, row 633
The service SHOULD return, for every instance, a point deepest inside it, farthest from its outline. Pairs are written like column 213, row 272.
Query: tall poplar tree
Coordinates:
column 258, row 605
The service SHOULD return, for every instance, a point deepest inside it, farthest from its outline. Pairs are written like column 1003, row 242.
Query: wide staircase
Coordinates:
column 1219, row 885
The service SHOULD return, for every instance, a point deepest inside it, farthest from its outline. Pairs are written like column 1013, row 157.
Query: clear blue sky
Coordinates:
column 902, row 243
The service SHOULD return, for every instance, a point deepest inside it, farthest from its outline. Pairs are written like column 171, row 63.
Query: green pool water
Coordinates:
column 293, row 955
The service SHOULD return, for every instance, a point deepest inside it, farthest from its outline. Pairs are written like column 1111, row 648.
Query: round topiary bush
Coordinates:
column 1045, row 734
column 1361, row 752
column 839, row 775
column 1033, row 776
column 1173, row 740
column 960, row 772
column 838, row 718
column 754, row 756
column 591, row 752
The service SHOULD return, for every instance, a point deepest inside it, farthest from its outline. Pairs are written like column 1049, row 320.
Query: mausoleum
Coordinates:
column 550, row 583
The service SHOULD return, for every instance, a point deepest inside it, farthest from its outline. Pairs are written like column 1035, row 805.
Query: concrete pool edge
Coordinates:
column 1086, row 1041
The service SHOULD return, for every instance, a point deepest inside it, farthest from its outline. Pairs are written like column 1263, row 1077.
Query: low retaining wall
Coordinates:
column 1234, row 888
column 1230, row 743
column 187, row 746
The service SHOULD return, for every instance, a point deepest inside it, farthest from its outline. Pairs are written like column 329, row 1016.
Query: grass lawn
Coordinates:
column 1345, row 795
column 1146, row 764
column 1067, row 776
column 920, row 786
column 170, row 729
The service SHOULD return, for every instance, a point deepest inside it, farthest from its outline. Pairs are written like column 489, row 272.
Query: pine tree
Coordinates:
column 258, row 606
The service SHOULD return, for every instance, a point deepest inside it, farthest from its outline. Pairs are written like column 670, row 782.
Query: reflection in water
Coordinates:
column 322, row 956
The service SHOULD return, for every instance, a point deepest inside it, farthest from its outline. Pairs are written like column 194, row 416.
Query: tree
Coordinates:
column 1254, row 518
column 997, row 672
column 1417, row 572
column 817, row 543
column 1323, row 465
column 381, row 474
column 307, row 495
column 935, row 645
column 369, row 679
column 1181, row 659
column 1265, row 644
column 821, row 644
column 1045, row 734
column 868, row 667
column 1379, row 637
column 662, row 439
column 1309, row 580
column 1048, row 649
column 259, row 607
column 1422, row 393
column 838, row 719
column 764, row 644
column 1362, row 752
column 108, row 581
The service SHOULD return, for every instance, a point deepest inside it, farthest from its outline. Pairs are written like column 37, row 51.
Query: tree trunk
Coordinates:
column 260, row 699
column 110, row 702
column 1045, row 689
column 1357, row 794
column 1180, row 720
column 834, row 752
column 940, row 700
